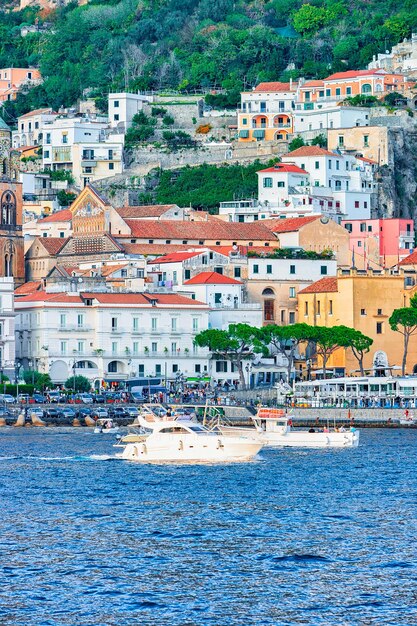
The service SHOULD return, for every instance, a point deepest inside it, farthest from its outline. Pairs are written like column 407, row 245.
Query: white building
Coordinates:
column 123, row 107
column 293, row 269
column 331, row 117
column 112, row 336
column 345, row 179
column 7, row 328
column 30, row 127
column 83, row 147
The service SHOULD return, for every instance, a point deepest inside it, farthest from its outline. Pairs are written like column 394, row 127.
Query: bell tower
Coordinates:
column 11, row 236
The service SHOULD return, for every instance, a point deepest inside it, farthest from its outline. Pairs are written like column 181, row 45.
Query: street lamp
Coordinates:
column 73, row 374
column 31, row 367
column 248, row 369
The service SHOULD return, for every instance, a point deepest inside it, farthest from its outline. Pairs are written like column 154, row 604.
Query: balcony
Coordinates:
column 72, row 327
column 409, row 235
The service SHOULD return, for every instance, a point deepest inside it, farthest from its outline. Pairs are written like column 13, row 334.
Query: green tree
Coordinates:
column 320, row 140
column 41, row 381
column 360, row 345
column 284, row 340
column 237, row 344
column 327, row 341
column 309, row 19
column 404, row 321
column 79, row 383
column 297, row 142
column 395, row 99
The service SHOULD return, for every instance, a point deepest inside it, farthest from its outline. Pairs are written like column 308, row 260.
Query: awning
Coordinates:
column 258, row 133
column 243, row 134
column 196, row 379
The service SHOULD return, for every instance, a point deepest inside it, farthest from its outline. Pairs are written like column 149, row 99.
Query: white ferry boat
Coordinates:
column 164, row 438
column 274, row 429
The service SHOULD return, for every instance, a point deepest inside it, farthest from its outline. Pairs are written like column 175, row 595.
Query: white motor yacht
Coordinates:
column 164, row 438
column 106, row 426
column 274, row 429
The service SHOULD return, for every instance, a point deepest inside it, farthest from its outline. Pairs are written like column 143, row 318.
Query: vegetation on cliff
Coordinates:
column 196, row 44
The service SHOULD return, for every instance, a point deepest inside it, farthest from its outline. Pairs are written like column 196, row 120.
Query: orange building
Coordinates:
column 266, row 112
column 13, row 78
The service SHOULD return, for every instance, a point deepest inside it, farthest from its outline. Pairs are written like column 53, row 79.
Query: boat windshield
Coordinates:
column 195, row 428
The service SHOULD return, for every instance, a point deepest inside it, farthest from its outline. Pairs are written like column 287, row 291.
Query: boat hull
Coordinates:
column 213, row 449
column 297, row 439
column 106, row 431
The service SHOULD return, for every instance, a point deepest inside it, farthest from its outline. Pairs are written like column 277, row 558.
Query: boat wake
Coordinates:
column 89, row 457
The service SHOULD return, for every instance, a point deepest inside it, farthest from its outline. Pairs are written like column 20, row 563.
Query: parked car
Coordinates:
column 7, row 398
column 54, row 396
column 67, row 412
column 38, row 398
column 99, row 412
column 86, row 398
column 51, row 411
column 36, row 411
column 132, row 411
column 118, row 411
column 99, row 398
column 82, row 411
column 136, row 397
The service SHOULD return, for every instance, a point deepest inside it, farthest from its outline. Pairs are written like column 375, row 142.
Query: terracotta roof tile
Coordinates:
column 284, row 167
column 219, row 229
column 60, row 216
column 324, row 285
column 141, row 212
column 354, row 74
column 290, row 224
column 37, row 112
column 53, row 244
column 152, row 249
column 306, row 151
column 27, row 288
column 274, row 87
column 411, row 259
column 176, row 257
column 212, row 278
column 142, row 299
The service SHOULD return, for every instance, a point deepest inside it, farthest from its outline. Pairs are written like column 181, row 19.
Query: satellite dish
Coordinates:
column 80, row 280
column 324, row 219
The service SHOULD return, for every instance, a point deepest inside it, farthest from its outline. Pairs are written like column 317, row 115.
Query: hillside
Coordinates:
column 194, row 44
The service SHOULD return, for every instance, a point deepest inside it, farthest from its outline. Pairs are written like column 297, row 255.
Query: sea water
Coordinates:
column 295, row 537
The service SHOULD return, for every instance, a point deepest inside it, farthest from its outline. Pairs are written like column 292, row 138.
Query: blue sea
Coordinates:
column 296, row 537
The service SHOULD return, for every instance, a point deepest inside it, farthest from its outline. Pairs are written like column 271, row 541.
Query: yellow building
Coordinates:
column 364, row 301
column 370, row 142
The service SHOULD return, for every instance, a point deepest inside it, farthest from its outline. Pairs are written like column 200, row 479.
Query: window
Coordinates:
column 154, row 323
column 321, row 94
column 135, row 324
column 158, row 369
column 267, row 182
column 62, row 320
column 366, row 141
column 64, row 138
column 292, row 292
column 64, row 347
column 174, row 324
column 330, row 165
column 141, row 370
column 187, row 274
column 80, row 320
column 362, row 227
column 256, row 269
column 363, row 312
column 338, row 92
column 328, row 93
column 116, row 117
column 379, row 311
column 114, row 347
column 237, row 272
column 330, row 307
column 136, row 347
column 221, row 366
column 114, row 323
column 323, row 270
column 269, row 310
column 217, row 298
column 174, row 368
column 46, row 154
column 197, row 368
column 348, row 91
column 195, row 324
column 356, row 204
column 318, row 307
column 359, row 244
column 81, row 347
column 244, row 121
column 116, row 104
column 292, row 269
column 111, row 166
column 317, row 165
column 341, row 141
column 154, row 347
column 282, row 316
column 348, row 227
column 379, row 328
column 306, row 308
column 174, row 347
column 269, row 269
column 48, row 137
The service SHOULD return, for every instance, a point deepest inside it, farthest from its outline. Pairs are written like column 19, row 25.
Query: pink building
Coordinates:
column 380, row 242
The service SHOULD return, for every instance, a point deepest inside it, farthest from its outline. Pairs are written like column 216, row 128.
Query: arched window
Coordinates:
column 8, row 208
column 268, row 292
column 366, row 88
